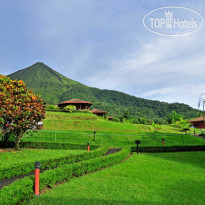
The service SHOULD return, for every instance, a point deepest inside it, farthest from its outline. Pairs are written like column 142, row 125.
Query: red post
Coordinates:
column 162, row 141
column 88, row 147
column 37, row 176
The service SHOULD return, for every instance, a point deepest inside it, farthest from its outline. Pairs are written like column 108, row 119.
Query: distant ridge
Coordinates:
column 56, row 88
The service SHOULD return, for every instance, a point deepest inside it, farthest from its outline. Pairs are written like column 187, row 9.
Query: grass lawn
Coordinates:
column 78, row 128
column 14, row 158
column 90, row 122
column 159, row 179
column 114, row 138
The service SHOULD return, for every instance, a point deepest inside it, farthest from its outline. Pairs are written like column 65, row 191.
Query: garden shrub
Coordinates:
column 11, row 171
column 55, row 145
column 170, row 148
column 23, row 189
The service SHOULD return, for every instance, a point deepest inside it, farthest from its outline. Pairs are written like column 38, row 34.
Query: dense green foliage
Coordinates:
column 56, row 88
column 157, row 179
column 9, row 195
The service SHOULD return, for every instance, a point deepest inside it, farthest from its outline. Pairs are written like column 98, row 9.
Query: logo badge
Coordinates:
column 173, row 21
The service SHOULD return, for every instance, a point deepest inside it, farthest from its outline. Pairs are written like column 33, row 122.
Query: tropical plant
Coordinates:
column 70, row 108
column 20, row 109
column 156, row 126
column 174, row 117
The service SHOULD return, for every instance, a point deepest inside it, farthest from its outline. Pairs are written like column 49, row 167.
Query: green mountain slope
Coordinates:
column 55, row 88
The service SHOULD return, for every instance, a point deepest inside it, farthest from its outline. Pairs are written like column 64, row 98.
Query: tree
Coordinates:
column 156, row 126
column 184, row 124
column 20, row 109
column 174, row 117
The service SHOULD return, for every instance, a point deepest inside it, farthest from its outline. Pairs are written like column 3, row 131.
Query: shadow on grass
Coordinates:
column 65, row 200
column 193, row 158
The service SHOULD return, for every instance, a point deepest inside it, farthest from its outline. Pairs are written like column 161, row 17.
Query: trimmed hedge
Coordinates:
column 169, row 148
column 22, row 189
column 55, row 145
column 49, row 163
column 50, row 145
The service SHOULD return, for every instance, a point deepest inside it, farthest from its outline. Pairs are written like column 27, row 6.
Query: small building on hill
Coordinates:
column 198, row 122
column 99, row 112
column 110, row 118
column 79, row 104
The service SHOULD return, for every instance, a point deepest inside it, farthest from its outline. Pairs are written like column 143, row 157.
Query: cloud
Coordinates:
column 104, row 44
column 167, row 69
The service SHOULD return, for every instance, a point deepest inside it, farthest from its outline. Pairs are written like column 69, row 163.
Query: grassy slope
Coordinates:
column 89, row 122
column 159, row 179
column 62, row 127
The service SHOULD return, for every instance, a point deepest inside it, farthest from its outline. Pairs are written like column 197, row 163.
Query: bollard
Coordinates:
column 137, row 142
column 94, row 135
column 194, row 133
column 37, row 175
column 162, row 141
column 88, row 147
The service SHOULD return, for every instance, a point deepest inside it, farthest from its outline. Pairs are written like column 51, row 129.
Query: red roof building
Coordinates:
column 198, row 122
column 99, row 112
column 79, row 104
column 110, row 118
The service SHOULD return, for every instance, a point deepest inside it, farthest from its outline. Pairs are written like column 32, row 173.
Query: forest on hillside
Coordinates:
column 55, row 88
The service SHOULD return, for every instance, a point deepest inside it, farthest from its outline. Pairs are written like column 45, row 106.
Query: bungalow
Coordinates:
column 198, row 122
column 79, row 104
column 99, row 112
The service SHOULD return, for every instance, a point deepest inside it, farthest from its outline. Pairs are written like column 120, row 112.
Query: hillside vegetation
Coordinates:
column 78, row 128
column 56, row 88
column 90, row 122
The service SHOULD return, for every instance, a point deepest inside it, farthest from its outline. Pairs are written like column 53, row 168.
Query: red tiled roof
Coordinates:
column 94, row 111
column 198, row 119
column 76, row 101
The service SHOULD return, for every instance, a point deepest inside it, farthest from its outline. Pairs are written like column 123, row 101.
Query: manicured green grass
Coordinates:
column 114, row 138
column 90, row 122
column 79, row 127
column 159, row 179
column 15, row 158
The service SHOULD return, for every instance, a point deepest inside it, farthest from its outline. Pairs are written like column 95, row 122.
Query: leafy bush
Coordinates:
column 69, row 108
column 156, row 126
column 20, row 109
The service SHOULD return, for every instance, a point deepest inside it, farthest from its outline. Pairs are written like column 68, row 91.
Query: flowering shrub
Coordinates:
column 20, row 109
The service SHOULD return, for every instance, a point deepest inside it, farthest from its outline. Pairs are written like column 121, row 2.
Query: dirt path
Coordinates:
column 200, row 137
column 6, row 182
column 112, row 151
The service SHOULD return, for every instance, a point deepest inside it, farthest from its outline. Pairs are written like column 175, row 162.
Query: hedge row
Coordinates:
column 170, row 148
column 22, row 189
column 49, row 163
column 50, row 145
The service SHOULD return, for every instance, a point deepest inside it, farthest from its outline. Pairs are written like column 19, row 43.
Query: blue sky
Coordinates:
column 104, row 44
